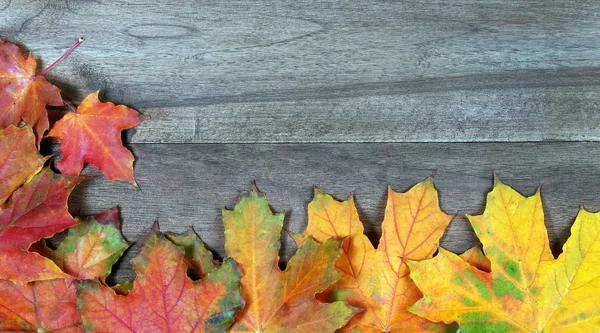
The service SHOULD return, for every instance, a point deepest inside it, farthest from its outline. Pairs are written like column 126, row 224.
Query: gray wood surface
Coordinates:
column 189, row 184
column 329, row 71
column 347, row 95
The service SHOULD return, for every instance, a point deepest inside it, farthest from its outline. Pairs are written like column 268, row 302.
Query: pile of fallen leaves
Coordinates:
column 336, row 281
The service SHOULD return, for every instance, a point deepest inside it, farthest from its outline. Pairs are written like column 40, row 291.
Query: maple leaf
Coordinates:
column 197, row 257
column 279, row 301
column 89, row 251
column 123, row 288
column 163, row 298
column 377, row 279
column 91, row 248
column 92, row 134
column 39, row 306
column 527, row 290
column 23, row 94
column 475, row 257
column 36, row 210
column 19, row 159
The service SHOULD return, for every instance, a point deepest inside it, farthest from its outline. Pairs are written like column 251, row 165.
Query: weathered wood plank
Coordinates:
column 185, row 185
column 313, row 71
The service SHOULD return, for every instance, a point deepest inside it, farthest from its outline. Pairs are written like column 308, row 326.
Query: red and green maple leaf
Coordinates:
column 89, row 251
column 377, row 280
column 91, row 248
column 279, row 301
column 163, row 298
column 36, row 210
column 19, row 159
column 92, row 134
column 24, row 94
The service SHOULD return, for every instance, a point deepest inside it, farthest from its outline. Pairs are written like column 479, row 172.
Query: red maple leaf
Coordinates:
column 88, row 251
column 163, row 298
column 23, row 93
column 35, row 211
column 92, row 134
column 39, row 306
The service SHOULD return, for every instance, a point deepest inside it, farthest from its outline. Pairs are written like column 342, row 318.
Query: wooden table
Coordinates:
column 347, row 95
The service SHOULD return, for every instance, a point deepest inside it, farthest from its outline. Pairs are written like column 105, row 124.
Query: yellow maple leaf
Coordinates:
column 377, row 279
column 527, row 289
column 477, row 258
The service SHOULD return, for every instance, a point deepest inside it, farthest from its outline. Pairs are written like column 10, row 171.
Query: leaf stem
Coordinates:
column 70, row 106
column 79, row 41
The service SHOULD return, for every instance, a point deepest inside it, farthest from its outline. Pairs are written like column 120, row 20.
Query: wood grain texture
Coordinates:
column 329, row 71
column 185, row 185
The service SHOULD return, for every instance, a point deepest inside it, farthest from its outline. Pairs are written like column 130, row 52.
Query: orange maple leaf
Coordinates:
column 377, row 279
column 526, row 290
column 24, row 94
column 19, row 159
column 163, row 298
column 279, row 301
column 92, row 134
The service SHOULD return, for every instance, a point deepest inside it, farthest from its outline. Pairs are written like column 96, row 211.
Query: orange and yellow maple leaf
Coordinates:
column 527, row 289
column 19, row 159
column 377, row 279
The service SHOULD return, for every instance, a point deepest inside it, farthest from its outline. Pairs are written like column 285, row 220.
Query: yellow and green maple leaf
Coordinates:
column 527, row 289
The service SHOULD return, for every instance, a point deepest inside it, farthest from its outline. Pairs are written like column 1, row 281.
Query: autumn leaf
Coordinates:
column 92, row 134
column 19, row 159
column 163, row 298
column 89, row 251
column 35, row 211
column 527, row 289
column 123, row 288
column 279, row 301
column 24, row 94
column 475, row 257
column 91, row 248
column 377, row 279
column 196, row 256
column 39, row 306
